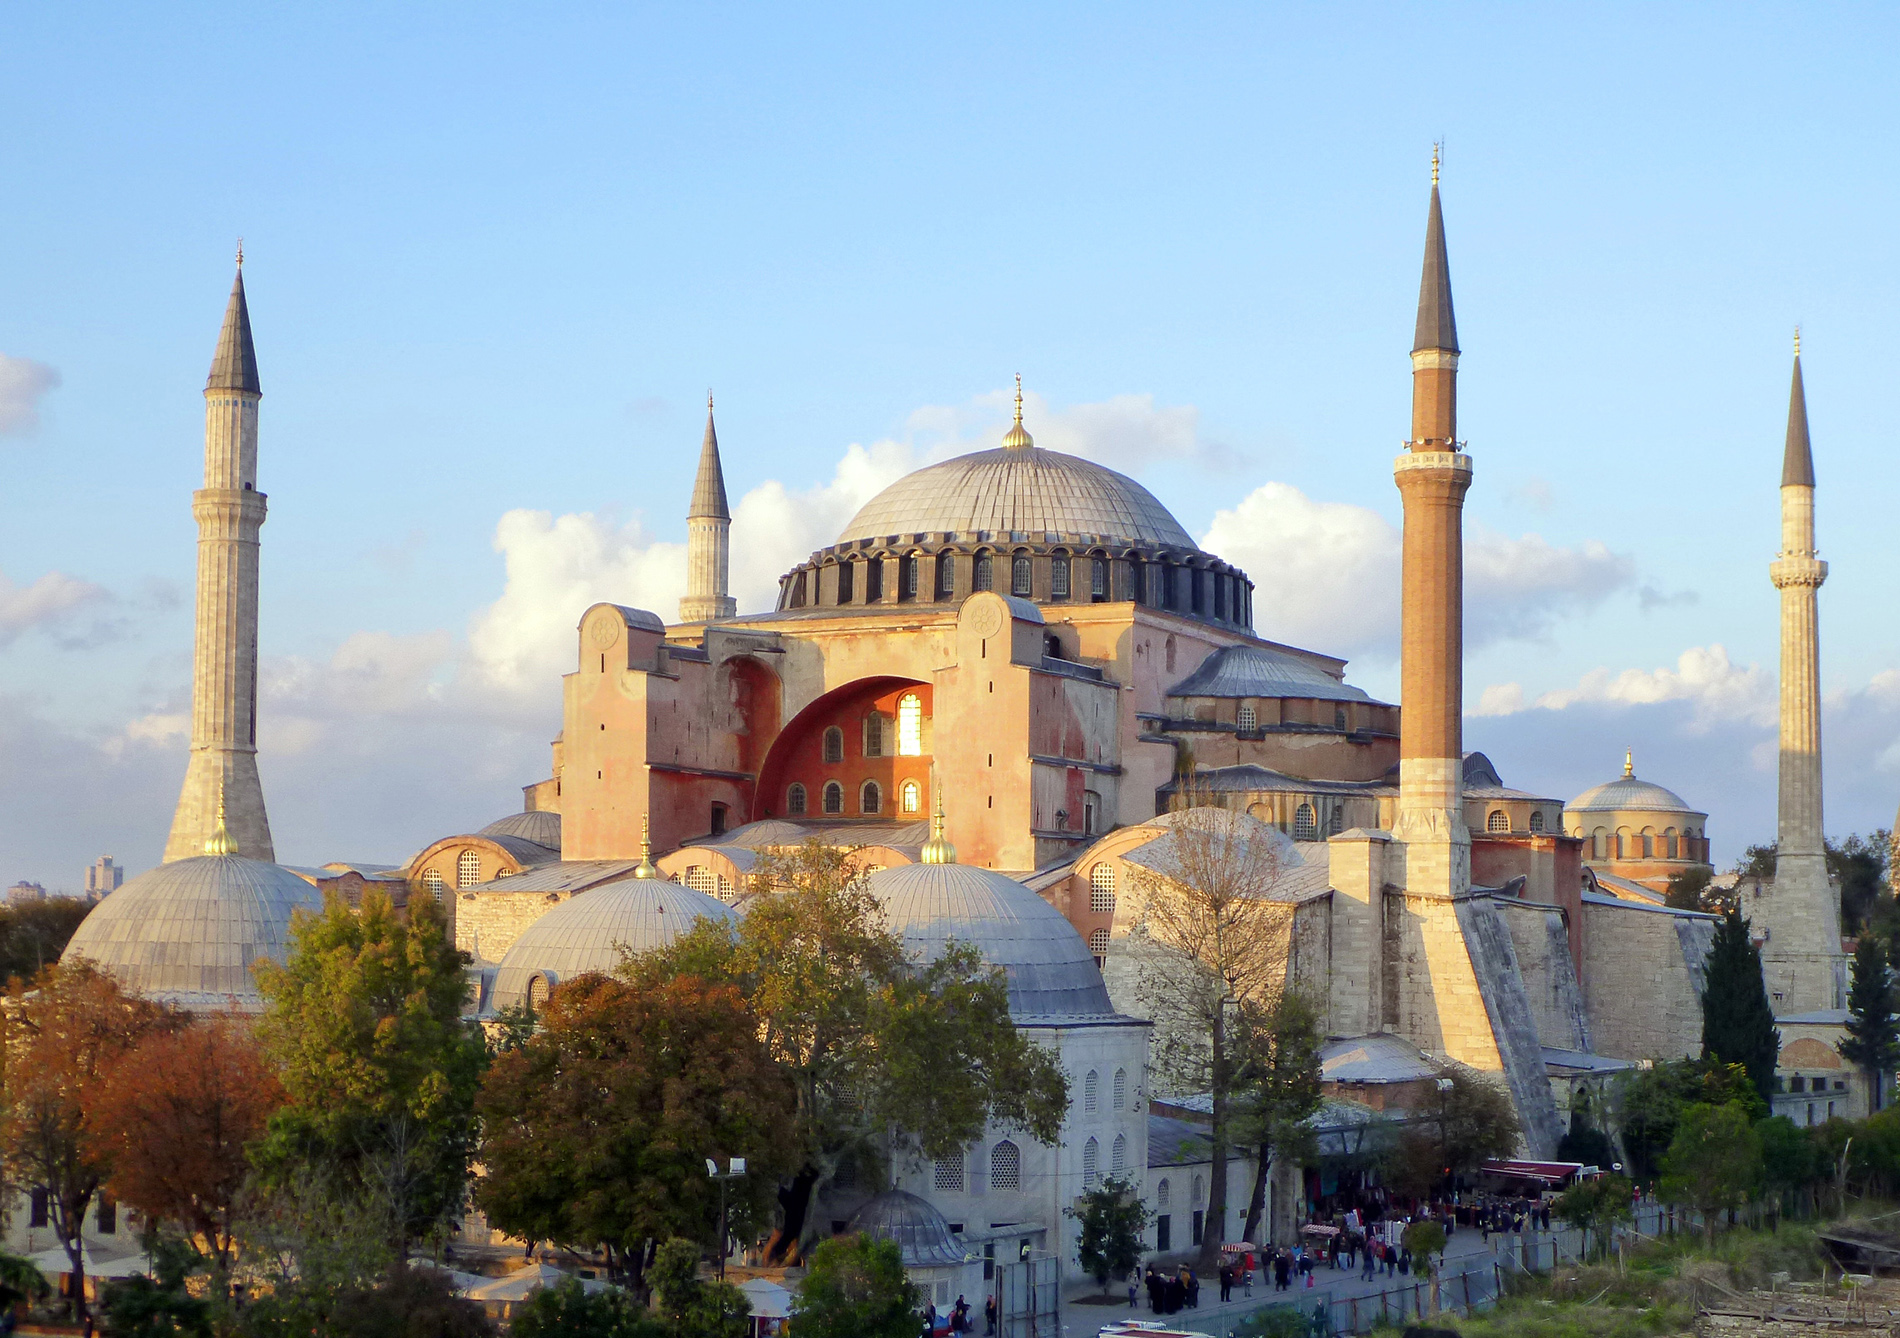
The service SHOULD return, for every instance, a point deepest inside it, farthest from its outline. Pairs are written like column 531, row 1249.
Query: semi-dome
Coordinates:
column 1023, row 490
column 188, row 932
column 1628, row 794
column 586, row 933
column 1052, row 974
column 538, row 825
column 921, row 1232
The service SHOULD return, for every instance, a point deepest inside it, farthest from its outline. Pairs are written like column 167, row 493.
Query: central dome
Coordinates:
column 1019, row 490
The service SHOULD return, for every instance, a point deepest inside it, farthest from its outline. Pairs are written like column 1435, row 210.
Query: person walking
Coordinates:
column 1226, row 1283
column 989, row 1315
column 1282, row 1270
column 1367, row 1266
column 1193, row 1289
column 1133, row 1292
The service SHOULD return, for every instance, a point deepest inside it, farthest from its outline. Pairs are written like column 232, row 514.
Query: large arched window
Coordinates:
column 1336, row 823
column 907, row 576
column 1006, row 1166
column 1537, row 819
column 910, row 797
column 870, row 798
column 834, row 744
column 1019, row 576
column 846, row 571
column 1091, row 1092
column 874, row 735
column 795, row 800
column 1161, row 1195
column 1497, row 821
column 834, row 797
column 468, row 869
column 946, row 576
column 1121, row 1089
column 1098, row 944
column 1305, row 827
column 537, row 992
column 432, row 880
column 702, row 879
column 1245, row 718
column 910, row 725
column 1102, row 888
column 948, row 1177
column 1098, row 579
column 984, row 578
column 1118, row 1154
column 1059, row 577
column 1091, row 1164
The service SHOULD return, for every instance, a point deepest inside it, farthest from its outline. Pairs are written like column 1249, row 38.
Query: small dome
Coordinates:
column 922, row 1235
column 1019, row 489
column 586, row 932
column 1628, row 793
column 1052, row 973
column 539, row 826
column 186, row 933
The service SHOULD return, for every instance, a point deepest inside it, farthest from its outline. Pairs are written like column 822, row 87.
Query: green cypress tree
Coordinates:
column 1873, row 1032
column 1738, row 1026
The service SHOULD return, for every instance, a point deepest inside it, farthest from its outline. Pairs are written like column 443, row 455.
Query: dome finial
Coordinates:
column 646, row 868
column 938, row 850
column 1018, row 438
column 1629, row 763
column 1438, row 146
column 220, row 842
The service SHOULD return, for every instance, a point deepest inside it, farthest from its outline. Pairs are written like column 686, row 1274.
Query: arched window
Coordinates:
column 1196, row 585
column 1497, row 821
column 1098, row 579
column 1170, row 654
column 1537, row 819
column 874, row 735
column 795, row 800
column 1649, row 844
column 1118, row 1154
column 1336, row 823
column 874, row 581
column 907, row 576
column 1305, row 827
column 870, row 798
column 1098, row 944
column 1339, row 717
column 948, row 1178
column 1121, row 1089
column 468, row 869
column 1102, row 888
column 834, row 744
column 846, row 571
column 1596, row 844
column 1200, row 1191
column 910, row 797
column 537, row 992
column 1091, row 1095
column 1669, row 842
column 1220, row 597
column 1059, row 577
column 433, row 881
column 702, row 879
column 1091, row 1163
column 834, row 797
column 946, row 576
column 1006, row 1166
column 910, row 725
column 983, row 578
column 1019, row 576
column 1245, row 718
column 1161, row 1196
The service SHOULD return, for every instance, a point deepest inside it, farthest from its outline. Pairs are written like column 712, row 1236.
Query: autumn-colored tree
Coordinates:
column 366, row 1029
column 596, row 1132
column 886, row 1055
column 62, row 1037
column 178, row 1111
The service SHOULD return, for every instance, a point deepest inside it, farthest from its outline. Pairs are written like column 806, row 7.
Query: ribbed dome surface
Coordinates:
column 187, row 932
column 585, row 933
column 1052, row 973
column 540, row 827
column 1030, row 491
column 921, row 1232
column 1629, row 793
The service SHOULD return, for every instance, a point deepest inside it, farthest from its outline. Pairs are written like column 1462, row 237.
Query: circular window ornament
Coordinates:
column 986, row 619
column 605, row 631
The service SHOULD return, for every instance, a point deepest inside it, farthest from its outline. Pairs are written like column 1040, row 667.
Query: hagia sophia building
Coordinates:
column 1034, row 638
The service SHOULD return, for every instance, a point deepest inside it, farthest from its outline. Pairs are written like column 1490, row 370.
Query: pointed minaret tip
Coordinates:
column 709, row 487
column 1437, row 325
column 1797, row 457
column 234, row 365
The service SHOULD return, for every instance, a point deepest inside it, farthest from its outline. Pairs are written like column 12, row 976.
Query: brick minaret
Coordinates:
column 229, row 510
column 708, row 537
column 1802, row 961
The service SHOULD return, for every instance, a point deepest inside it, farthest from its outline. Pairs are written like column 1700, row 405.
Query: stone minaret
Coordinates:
column 229, row 510
column 708, row 538
column 1802, row 960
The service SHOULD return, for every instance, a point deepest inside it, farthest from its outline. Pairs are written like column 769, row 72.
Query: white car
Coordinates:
column 1146, row 1328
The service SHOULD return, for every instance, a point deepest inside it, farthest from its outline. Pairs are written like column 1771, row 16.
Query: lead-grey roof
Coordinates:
column 709, row 487
column 587, row 932
column 1052, row 974
column 922, row 1235
column 1797, row 459
column 776, row 833
column 1257, row 671
column 539, row 826
column 1628, row 792
column 1032, row 492
column 1437, row 326
column 187, row 932
column 234, row 364
column 1373, row 1059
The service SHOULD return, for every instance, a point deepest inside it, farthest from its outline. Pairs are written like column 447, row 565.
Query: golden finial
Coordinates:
column 1018, row 438
column 220, row 842
column 1797, row 341
column 938, row 850
column 708, row 399
column 1629, row 763
column 1437, row 147
column 646, row 868
column 240, row 253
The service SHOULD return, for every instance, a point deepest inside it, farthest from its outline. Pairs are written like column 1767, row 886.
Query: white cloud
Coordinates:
column 1327, row 574
column 47, row 603
column 1716, row 689
column 23, row 383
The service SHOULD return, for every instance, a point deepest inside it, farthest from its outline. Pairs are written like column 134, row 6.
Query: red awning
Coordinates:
column 1552, row 1171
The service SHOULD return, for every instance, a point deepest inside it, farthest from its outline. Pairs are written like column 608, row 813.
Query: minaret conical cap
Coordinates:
column 234, row 365
column 1797, row 461
column 709, row 488
column 1437, row 326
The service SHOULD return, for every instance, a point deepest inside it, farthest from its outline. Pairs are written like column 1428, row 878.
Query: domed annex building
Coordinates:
column 1637, row 835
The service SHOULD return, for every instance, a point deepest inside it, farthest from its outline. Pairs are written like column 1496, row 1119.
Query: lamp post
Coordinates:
column 735, row 1167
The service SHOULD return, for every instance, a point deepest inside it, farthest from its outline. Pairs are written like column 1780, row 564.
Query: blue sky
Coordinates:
column 497, row 255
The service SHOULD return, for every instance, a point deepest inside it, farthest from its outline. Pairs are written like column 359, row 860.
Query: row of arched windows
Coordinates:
column 1092, row 1160
column 1091, row 1091
column 910, row 799
column 1647, row 844
column 1497, row 820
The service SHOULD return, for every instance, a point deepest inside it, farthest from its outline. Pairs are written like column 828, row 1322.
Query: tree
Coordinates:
column 1714, row 1163
column 1791, row 1159
column 1113, row 1216
column 1687, row 889
column 1859, row 864
column 1757, row 861
column 596, row 1131
column 570, row 1311
column 1425, row 1239
column 1873, row 1032
column 688, row 1307
column 20, row 1281
column 1211, row 934
column 178, row 1112
column 308, row 1239
column 856, row 1288
column 34, row 933
column 411, row 1303
column 1738, row 1026
column 1649, row 1104
column 1594, row 1207
column 1276, row 1090
column 1586, row 1145
column 61, row 1039
column 365, row 1025
column 886, row 1056
column 160, row 1304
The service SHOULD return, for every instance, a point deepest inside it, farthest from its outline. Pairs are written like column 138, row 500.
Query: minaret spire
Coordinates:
column 708, row 536
column 222, row 801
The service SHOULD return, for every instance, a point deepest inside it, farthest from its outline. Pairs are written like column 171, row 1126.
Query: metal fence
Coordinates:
column 1466, row 1292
